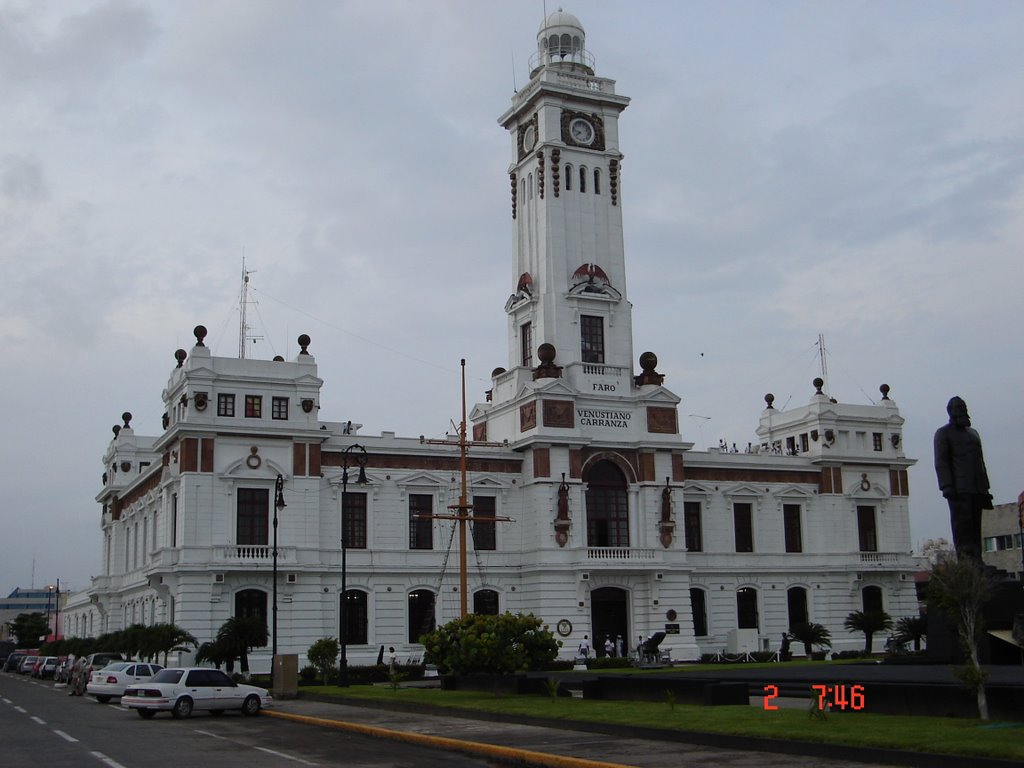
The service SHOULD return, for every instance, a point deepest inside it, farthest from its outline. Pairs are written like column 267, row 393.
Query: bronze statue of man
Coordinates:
column 960, row 467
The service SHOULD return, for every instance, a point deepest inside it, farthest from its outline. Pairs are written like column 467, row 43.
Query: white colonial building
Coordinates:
column 590, row 509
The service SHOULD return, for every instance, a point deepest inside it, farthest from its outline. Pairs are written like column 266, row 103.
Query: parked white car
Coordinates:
column 111, row 681
column 180, row 691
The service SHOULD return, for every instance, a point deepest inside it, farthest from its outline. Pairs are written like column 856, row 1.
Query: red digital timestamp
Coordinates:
column 839, row 696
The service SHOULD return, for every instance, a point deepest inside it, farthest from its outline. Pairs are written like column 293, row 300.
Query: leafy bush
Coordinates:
column 323, row 655
column 307, row 674
column 493, row 644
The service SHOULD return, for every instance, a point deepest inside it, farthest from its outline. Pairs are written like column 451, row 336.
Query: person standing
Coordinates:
column 584, row 649
column 392, row 660
column 609, row 646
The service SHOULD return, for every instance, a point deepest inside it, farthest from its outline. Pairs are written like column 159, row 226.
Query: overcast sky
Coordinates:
column 854, row 169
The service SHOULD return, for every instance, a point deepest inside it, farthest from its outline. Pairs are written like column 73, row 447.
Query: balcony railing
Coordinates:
column 253, row 553
column 880, row 557
column 620, row 554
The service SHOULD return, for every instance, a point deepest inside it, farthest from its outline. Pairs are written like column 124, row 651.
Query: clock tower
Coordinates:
column 570, row 331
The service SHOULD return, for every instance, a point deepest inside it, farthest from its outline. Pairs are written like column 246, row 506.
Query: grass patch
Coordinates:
column 954, row 736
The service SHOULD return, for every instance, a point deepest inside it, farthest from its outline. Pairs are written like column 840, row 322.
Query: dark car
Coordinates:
column 13, row 662
column 97, row 661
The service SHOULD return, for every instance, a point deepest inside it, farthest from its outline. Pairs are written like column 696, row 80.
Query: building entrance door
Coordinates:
column 610, row 619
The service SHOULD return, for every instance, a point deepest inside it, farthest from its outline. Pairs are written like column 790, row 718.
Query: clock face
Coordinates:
column 529, row 138
column 581, row 131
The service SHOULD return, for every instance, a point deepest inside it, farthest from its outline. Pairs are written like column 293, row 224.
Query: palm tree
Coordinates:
column 241, row 634
column 216, row 652
column 912, row 628
column 868, row 622
column 167, row 639
column 811, row 634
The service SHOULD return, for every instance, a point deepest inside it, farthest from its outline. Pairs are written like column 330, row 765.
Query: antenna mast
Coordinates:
column 824, row 363
column 243, row 303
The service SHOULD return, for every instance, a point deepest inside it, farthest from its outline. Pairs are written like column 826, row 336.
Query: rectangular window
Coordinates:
column 225, row 404
column 691, row 526
column 279, row 408
column 876, row 440
column 253, row 519
column 254, row 406
column 591, row 339
column 484, row 534
column 804, row 445
column 421, row 526
column 354, row 511
column 866, row 529
column 743, row 524
column 174, row 520
column 791, row 526
column 699, row 609
column 526, row 344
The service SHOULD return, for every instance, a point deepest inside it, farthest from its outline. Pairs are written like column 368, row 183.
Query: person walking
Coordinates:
column 584, row 649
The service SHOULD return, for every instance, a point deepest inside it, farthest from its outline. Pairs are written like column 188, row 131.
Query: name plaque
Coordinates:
column 598, row 417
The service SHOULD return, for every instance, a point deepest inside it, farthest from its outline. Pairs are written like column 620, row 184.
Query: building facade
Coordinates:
column 1001, row 538
column 588, row 507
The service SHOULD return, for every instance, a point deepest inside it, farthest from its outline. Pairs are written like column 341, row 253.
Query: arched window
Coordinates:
column 354, row 617
column 568, row 178
column 421, row 614
column 251, row 602
column 872, row 599
column 699, row 608
column 485, row 602
column 746, row 608
column 583, row 178
column 796, row 599
column 607, row 506
column 597, row 181
column 565, row 44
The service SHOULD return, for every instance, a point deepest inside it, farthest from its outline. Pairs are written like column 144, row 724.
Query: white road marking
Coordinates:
column 261, row 749
column 65, row 736
column 39, row 720
column 286, row 757
column 104, row 759
column 20, row 709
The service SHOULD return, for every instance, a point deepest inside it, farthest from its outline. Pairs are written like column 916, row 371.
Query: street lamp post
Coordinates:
column 278, row 506
column 361, row 458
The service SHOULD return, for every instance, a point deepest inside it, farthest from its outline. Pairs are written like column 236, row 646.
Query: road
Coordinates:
column 41, row 725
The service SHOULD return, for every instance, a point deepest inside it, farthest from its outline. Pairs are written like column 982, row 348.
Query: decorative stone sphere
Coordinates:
column 648, row 361
column 769, row 399
column 546, row 353
column 497, row 372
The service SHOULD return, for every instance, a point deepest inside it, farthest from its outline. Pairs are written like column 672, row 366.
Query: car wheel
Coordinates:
column 146, row 714
column 182, row 707
column 251, row 705
column 102, row 699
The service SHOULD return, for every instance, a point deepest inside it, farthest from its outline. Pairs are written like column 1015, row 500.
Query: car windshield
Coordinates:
column 117, row 666
column 167, row 676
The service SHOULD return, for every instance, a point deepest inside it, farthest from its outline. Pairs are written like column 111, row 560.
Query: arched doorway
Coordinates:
column 609, row 617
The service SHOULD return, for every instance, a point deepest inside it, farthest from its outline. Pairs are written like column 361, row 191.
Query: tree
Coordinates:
column 166, row 639
column 323, row 654
column 482, row 643
column 28, row 628
column 811, row 634
column 217, row 653
column 240, row 634
column 911, row 628
column 870, row 623
column 934, row 549
column 960, row 587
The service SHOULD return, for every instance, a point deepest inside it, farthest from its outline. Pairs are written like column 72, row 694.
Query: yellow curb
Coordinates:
column 469, row 747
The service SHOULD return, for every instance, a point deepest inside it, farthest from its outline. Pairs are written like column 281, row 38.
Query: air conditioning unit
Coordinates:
column 292, row 578
column 584, row 576
column 218, row 578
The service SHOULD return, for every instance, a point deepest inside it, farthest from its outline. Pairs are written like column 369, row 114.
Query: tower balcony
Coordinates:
column 599, row 378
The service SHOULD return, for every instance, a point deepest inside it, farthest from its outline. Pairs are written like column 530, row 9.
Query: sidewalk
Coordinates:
column 579, row 745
